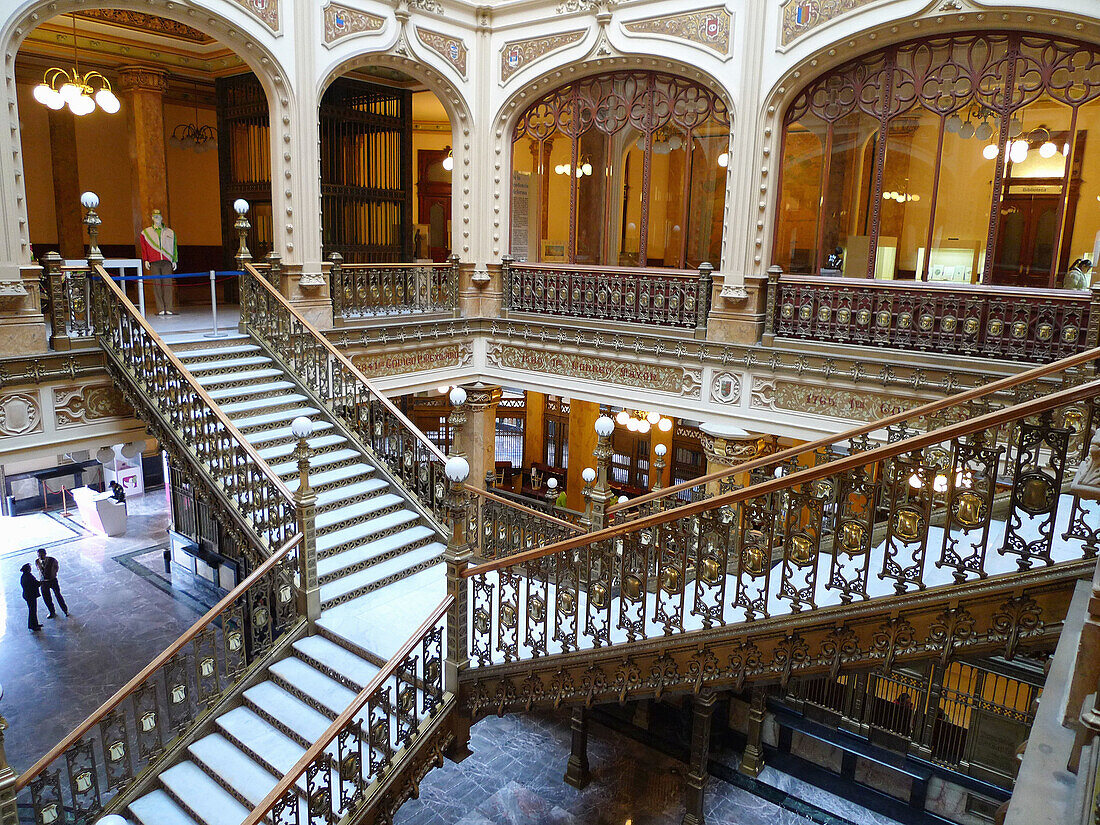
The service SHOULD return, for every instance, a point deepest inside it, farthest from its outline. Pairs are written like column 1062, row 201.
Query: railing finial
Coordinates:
column 90, row 200
column 240, row 206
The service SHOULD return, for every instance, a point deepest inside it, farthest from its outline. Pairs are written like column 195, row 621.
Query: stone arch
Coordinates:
column 256, row 55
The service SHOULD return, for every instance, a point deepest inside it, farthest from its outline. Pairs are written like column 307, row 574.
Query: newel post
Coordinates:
column 771, row 299
column 506, row 262
column 704, row 290
column 275, row 270
column 305, row 503
column 58, row 302
column 457, row 558
column 336, row 286
column 601, row 492
column 452, row 290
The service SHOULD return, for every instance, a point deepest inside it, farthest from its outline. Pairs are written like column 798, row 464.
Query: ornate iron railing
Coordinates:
column 124, row 740
column 499, row 527
column 541, row 505
column 153, row 378
column 341, row 774
column 1009, row 323
column 927, row 417
column 394, row 440
column 940, row 508
column 660, row 297
column 66, row 297
column 372, row 290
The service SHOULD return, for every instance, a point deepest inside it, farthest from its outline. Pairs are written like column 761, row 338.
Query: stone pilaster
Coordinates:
column 143, row 89
column 478, row 438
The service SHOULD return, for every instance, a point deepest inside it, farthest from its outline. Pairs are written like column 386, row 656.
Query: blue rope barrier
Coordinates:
column 217, row 273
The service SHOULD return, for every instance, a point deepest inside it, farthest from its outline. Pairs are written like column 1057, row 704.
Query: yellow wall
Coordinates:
column 193, row 197
column 103, row 164
column 37, row 167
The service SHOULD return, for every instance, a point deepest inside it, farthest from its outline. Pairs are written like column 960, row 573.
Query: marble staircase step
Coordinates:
column 318, row 445
column 260, row 739
column 333, row 500
column 362, row 556
column 246, row 780
column 228, row 366
column 282, row 435
column 201, row 796
column 263, row 404
column 237, row 349
column 189, row 341
column 289, row 713
column 379, row 575
column 338, row 476
column 235, row 379
column 273, row 419
column 359, row 513
column 362, row 531
column 319, row 463
column 311, row 686
column 158, row 808
column 337, row 662
column 258, row 390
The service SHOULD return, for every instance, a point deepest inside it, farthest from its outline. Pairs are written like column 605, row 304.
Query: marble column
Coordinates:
column 582, row 445
column 702, row 714
column 478, row 437
column 66, row 183
column 576, row 770
column 143, row 89
column 534, row 428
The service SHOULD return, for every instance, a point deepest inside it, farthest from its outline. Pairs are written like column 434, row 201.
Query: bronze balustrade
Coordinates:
column 499, row 527
column 926, row 511
column 66, row 292
column 154, row 379
column 386, row 290
column 394, row 440
column 658, row 297
column 343, row 773
column 1009, row 323
column 124, row 740
column 927, row 417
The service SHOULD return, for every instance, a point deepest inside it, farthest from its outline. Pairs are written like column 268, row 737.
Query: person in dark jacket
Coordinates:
column 47, row 575
column 30, row 595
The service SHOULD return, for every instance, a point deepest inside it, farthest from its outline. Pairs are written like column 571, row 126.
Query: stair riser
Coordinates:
column 344, row 482
column 290, row 688
column 314, row 452
column 192, row 347
column 351, row 520
column 362, row 653
column 223, row 783
column 251, row 754
column 276, row 407
column 242, row 394
column 344, row 502
column 369, row 537
column 186, row 808
column 317, row 467
column 212, row 368
column 335, row 675
column 378, row 585
column 275, row 723
column 371, row 562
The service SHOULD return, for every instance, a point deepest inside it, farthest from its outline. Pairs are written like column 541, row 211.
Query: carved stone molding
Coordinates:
column 709, row 28
column 399, row 362
column 266, row 10
column 20, row 413
column 693, row 383
column 74, row 406
column 142, row 79
column 41, row 369
column 449, row 48
column 800, row 17
column 516, row 54
column 725, row 388
column 606, row 370
column 730, row 446
column 140, row 21
column 340, row 21
column 763, row 392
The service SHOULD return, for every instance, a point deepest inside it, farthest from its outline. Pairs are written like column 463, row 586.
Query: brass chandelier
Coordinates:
column 61, row 87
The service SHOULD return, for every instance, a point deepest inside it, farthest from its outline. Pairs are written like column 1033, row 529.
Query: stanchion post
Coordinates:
column 214, row 306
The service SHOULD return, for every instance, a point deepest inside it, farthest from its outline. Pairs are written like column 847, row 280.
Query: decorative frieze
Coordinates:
column 707, row 27
column 341, row 21
column 725, row 388
column 266, row 10
column 74, row 406
column 802, row 16
column 603, row 370
column 449, row 48
column 20, row 413
column 47, row 367
column 374, row 365
column 150, row 23
column 516, row 54
column 832, row 401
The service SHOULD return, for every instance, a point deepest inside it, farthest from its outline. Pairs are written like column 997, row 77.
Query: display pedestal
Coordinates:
column 99, row 512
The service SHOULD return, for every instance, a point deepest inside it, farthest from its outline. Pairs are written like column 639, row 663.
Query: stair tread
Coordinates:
column 236, row 768
column 233, row 349
column 238, row 407
column 362, row 552
column 282, row 434
column 313, row 683
column 158, row 808
column 366, row 528
column 332, row 476
column 251, row 389
column 230, row 364
column 208, row 800
column 243, row 377
column 377, row 572
column 364, row 508
column 278, row 451
column 261, row 737
column 316, row 462
column 271, row 418
column 289, row 710
column 381, row 621
column 359, row 488
column 338, row 658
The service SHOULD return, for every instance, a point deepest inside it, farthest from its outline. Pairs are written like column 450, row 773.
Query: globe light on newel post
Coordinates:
column 659, row 451
column 302, row 428
column 457, row 396
column 551, row 490
column 240, row 206
column 588, row 475
column 90, row 200
column 601, row 492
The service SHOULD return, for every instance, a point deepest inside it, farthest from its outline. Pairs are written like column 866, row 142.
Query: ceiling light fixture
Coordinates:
column 192, row 136
column 61, row 87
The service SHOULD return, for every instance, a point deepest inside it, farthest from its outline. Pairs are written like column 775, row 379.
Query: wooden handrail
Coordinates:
column 197, row 388
column 977, row 290
column 863, row 429
column 526, row 510
column 592, row 269
column 917, row 442
column 156, row 664
column 317, row 748
column 347, row 364
column 430, row 264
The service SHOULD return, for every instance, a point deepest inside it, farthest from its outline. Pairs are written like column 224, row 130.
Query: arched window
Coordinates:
column 970, row 158
column 622, row 169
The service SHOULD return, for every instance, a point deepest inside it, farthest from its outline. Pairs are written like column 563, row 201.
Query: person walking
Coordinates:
column 47, row 573
column 30, row 595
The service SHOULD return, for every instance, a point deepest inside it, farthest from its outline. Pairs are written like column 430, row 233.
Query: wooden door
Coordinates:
column 1026, row 240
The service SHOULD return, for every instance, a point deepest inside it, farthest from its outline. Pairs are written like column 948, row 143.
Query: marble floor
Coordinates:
column 121, row 617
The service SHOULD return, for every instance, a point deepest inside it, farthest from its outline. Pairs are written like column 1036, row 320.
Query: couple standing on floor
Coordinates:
column 46, row 586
